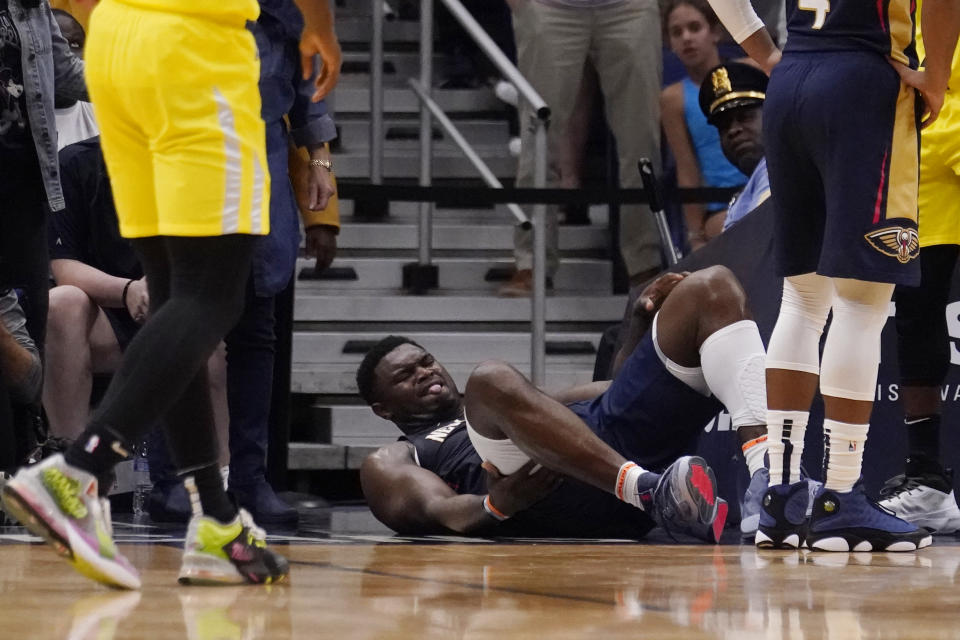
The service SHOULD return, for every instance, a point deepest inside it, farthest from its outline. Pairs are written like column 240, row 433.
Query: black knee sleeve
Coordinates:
column 922, row 342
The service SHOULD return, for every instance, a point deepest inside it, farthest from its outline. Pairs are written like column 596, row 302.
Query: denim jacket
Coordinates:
column 49, row 70
column 283, row 93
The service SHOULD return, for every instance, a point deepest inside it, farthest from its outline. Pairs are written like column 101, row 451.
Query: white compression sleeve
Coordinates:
column 732, row 362
column 503, row 454
column 738, row 17
column 851, row 355
column 795, row 343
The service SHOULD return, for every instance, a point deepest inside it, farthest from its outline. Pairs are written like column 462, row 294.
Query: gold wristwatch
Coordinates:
column 326, row 164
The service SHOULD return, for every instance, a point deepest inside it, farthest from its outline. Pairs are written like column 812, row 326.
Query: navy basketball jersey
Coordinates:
column 884, row 26
column 445, row 449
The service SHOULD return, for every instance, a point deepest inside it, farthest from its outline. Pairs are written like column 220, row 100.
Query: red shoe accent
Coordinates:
column 701, row 480
column 720, row 521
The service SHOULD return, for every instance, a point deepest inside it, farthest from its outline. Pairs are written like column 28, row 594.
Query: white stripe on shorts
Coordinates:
column 256, row 207
column 233, row 183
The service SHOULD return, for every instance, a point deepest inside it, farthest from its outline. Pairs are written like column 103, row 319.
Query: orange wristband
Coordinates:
column 492, row 510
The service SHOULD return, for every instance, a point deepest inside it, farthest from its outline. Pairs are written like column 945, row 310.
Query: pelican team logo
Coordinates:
column 901, row 243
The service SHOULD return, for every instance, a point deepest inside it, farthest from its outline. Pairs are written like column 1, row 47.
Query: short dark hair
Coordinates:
column 365, row 377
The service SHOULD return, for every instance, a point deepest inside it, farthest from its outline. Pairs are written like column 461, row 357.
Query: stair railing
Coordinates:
column 429, row 109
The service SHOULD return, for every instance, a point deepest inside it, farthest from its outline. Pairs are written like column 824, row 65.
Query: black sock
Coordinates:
column 98, row 450
column 923, row 436
column 213, row 497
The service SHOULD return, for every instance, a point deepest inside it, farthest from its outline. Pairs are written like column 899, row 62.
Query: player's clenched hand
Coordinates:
column 930, row 90
column 522, row 488
column 319, row 38
column 656, row 292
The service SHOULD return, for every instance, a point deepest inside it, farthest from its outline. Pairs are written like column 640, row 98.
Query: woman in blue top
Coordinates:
column 693, row 33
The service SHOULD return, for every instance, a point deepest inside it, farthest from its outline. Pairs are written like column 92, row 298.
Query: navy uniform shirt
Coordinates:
column 884, row 26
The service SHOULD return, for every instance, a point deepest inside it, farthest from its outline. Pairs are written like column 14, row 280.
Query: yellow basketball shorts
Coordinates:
column 178, row 105
column 939, row 196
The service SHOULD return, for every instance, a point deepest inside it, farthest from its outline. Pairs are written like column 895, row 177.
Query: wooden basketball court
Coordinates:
column 347, row 583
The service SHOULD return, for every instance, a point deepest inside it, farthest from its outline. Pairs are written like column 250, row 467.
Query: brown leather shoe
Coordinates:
column 521, row 285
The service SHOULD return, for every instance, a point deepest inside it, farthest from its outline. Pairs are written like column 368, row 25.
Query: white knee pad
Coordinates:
column 795, row 343
column 503, row 454
column 732, row 360
column 851, row 354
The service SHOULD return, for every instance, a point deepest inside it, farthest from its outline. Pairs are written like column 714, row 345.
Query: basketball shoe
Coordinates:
column 684, row 499
column 232, row 553
column 60, row 503
column 752, row 502
column 783, row 514
column 923, row 498
column 853, row 522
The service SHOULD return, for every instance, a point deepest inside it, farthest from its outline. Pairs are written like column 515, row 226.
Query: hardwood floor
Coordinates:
column 401, row 589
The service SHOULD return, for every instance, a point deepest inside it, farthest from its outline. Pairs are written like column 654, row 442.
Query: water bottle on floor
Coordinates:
column 141, row 480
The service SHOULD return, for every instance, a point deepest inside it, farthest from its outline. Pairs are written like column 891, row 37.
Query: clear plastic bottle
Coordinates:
column 141, row 479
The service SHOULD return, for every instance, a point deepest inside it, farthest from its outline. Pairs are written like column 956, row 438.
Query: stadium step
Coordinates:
column 464, row 237
column 580, row 274
column 332, row 305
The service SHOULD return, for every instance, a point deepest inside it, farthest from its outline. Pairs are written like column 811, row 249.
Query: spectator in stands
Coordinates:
column 99, row 303
column 622, row 41
column 75, row 121
column 731, row 98
column 20, row 379
column 694, row 33
column 37, row 67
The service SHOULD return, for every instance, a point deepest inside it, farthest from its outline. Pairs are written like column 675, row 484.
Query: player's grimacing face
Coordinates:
column 691, row 37
column 410, row 383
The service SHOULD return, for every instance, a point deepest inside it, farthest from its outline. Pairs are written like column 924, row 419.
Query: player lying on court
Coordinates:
column 620, row 446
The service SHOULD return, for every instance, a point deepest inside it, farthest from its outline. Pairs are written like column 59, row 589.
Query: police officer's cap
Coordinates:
column 731, row 85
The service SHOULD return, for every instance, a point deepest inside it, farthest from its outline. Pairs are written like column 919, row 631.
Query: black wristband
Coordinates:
column 123, row 296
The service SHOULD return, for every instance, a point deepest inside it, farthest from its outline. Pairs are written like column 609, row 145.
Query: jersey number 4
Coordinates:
column 821, row 7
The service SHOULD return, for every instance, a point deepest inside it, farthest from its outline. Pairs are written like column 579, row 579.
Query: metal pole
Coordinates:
column 497, row 57
column 426, row 129
column 538, row 315
column 457, row 137
column 376, row 93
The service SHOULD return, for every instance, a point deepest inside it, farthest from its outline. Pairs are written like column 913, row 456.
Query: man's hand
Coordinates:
column 319, row 181
column 521, row 489
column 931, row 91
column 138, row 300
column 322, row 244
column 319, row 38
column 651, row 298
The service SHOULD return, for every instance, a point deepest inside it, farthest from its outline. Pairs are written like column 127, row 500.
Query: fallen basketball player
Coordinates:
column 605, row 459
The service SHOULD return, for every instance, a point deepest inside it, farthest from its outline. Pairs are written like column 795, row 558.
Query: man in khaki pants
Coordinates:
column 622, row 41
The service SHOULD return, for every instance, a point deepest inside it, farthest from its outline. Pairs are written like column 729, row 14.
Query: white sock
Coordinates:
column 630, row 483
column 843, row 453
column 753, row 452
column 785, row 431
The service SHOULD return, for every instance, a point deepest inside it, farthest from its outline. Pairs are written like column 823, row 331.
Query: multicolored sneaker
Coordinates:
column 752, row 501
column 853, row 522
column 232, row 553
column 925, row 500
column 783, row 515
column 685, row 500
column 60, row 503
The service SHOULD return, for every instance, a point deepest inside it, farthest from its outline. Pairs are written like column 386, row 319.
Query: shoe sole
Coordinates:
column 711, row 510
column 769, row 539
column 67, row 544
column 200, row 569
column 853, row 541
